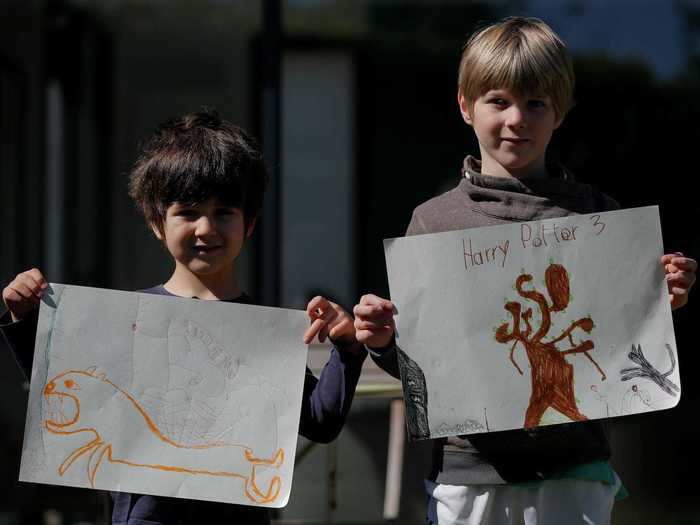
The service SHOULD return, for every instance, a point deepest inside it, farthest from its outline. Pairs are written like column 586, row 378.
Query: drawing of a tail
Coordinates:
column 264, row 473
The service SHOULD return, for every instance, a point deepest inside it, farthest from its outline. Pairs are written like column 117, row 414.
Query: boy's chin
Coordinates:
column 521, row 167
column 204, row 269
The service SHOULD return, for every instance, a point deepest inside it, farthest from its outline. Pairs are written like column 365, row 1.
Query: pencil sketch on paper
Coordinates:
column 73, row 399
column 552, row 376
column 194, row 403
column 602, row 399
column 646, row 370
column 636, row 400
column 416, row 396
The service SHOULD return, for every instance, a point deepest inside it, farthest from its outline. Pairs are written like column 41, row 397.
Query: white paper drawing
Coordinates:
column 522, row 325
column 166, row 396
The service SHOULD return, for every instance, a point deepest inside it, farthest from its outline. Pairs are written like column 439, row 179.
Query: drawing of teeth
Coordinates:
column 221, row 359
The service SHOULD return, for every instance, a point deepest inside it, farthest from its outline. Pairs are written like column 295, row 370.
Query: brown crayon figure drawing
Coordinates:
column 552, row 377
column 73, row 402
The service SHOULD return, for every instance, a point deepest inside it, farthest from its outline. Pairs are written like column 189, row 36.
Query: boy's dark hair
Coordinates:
column 192, row 158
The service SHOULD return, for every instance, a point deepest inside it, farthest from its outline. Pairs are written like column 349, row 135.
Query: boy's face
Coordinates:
column 513, row 131
column 204, row 238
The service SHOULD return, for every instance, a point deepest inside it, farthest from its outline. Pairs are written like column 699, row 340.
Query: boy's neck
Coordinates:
column 490, row 167
column 211, row 287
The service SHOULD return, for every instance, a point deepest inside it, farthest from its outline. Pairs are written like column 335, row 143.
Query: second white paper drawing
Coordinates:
column 530, row 324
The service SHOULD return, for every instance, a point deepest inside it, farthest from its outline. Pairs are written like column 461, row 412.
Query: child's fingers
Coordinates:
column 317, row 306
column 370, row 325
column 677, row 261
column 673, row 269
column 321, row 308
column 329, row 316
column 680, row 279
column 681, row 275
column 679, row 284
column 19, row 300
column 375, row 338
column 25, row 290
column 38, row 277
column 313, row 330
column 29, row 280
column 323, row 333
column 678, row 298
column 374, row 300
column 342, row 329
column 684, row 263
column 666, row 258
column 372, row 312
column 12, row 297
column 678, row 291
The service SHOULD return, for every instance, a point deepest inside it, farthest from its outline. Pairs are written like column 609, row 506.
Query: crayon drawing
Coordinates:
column 552, row 376
column 527, row 324
column 165, row 396
column 74, row 397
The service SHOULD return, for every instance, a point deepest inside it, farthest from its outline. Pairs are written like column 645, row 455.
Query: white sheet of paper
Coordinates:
column 167, row 396
column 458, row 307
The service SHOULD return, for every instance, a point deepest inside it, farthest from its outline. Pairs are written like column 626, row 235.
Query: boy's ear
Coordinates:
column 250, row 228
column 464, row 108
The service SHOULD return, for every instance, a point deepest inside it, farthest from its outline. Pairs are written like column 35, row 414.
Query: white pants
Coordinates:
column 555, row 502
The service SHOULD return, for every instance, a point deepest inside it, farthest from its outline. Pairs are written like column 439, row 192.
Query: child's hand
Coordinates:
column 680, row 276
column 23, row 294
column 374, row 321
column 329, row 320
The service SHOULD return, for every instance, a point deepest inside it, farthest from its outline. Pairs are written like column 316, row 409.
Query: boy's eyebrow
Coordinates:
column 216, row 204
column 506, row 93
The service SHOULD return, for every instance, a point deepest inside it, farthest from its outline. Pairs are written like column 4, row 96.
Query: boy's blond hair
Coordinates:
column 522, row 55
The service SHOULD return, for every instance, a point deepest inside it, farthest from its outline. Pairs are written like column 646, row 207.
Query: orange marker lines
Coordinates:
column 70, row 385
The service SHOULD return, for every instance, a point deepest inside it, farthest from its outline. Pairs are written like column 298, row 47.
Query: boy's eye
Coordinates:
column 226, row 214
column 536, row 104
column 498, row 101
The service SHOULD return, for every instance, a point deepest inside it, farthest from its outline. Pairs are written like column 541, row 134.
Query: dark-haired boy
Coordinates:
column 200, row 183
column 515, row 87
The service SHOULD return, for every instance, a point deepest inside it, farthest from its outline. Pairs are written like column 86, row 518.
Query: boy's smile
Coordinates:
column 513, row 131
column 205, row 249
column 205, row 239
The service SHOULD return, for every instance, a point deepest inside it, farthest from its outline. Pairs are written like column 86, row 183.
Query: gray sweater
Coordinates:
column 514, row 455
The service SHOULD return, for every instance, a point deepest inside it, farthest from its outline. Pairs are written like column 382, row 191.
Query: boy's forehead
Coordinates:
column 209, row 201
column 515, row 93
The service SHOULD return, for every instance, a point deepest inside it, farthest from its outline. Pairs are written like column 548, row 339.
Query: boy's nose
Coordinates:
column 516, row 116
column 204, row 226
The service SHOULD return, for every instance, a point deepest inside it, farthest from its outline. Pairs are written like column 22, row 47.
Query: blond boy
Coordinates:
column 515, row 88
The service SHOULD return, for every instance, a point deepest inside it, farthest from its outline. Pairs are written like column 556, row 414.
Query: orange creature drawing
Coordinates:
column 74, row 400
column 552, row 377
